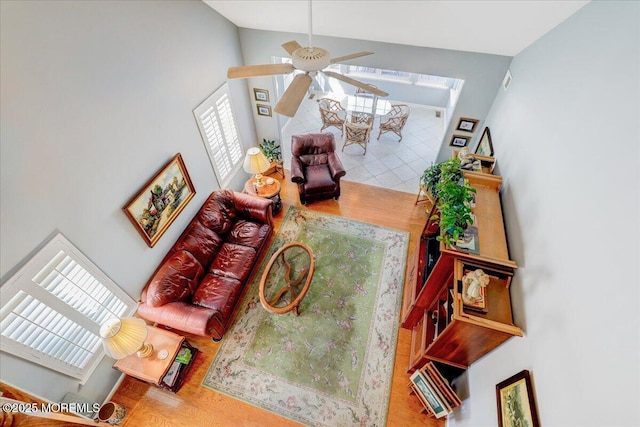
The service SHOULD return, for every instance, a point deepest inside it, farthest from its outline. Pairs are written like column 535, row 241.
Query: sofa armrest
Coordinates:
column 185, row 317
column 297, row 174
column 335, row 166
column 254, row 207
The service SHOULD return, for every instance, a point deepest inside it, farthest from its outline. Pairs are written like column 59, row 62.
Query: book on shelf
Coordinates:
column 172, row 375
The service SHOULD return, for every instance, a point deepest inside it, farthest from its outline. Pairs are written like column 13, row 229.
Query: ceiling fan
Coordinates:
column 310, row 60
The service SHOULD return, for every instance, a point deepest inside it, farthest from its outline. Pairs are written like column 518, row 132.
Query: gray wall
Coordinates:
column 565, row 139
column 482, row 73
column 95, row 98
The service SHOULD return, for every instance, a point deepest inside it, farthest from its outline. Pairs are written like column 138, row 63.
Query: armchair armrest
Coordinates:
column 254, row 207
column 335, row 166
column 297, row 174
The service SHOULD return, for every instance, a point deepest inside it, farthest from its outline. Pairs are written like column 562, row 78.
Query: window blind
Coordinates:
column 53, row 308
column 220, row 135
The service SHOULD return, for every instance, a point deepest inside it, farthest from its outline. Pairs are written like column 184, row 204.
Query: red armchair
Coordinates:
column 315, row 166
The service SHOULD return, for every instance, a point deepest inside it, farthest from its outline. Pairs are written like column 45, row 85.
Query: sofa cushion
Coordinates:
column 249, row 233
column 215, row 219
column 202, row 242
column 176, row 280
column 234, row 261
column 219, row 293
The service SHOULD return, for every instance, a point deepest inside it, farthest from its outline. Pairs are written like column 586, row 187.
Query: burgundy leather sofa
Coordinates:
column 315, row 166
column 198, row 283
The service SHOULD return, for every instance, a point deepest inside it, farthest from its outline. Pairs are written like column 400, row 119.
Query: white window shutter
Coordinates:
column 220, row 135
column 53, row 308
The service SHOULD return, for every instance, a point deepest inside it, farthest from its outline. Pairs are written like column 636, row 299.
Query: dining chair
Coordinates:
column 361, row 117
column 394, row 120
column 357, row 133
column 364, row 93
column 332, row 114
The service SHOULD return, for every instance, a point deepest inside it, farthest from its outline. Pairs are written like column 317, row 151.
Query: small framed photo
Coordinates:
column 261, row 95
column 516, row 402
column 467, row 125
column 485, row 146
column 263, row 110
column 459, row 141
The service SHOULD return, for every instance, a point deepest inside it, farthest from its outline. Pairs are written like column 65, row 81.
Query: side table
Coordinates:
column 268, row 191
column 167, row 373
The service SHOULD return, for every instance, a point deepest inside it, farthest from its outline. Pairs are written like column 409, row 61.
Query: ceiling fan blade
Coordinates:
column 259, row 70
column 356, row 83
column 291, row 46
column 347, row 57
column 293, row 96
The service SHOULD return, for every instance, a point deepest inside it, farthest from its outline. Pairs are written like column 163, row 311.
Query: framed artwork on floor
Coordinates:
column 485, row 145
column 459, row 141
column 261, row 95
column 467, row 125
column 160, row 201
column 516, row 402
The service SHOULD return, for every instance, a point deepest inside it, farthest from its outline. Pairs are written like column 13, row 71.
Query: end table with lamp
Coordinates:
column 163, row 358
column 256, row 163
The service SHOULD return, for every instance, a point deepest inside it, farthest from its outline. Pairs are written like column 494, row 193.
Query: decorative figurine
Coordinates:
column 473, row 282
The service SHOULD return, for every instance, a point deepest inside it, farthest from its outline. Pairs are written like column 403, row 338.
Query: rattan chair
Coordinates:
column 365, row 118
column 394, row 120
column 332, row 114
column 357, row 133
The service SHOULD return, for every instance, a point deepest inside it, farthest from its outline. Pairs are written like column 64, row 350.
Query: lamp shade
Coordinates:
column 123, row 337
column 255, row 161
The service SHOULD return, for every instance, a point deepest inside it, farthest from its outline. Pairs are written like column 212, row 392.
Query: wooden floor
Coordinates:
column 197, row 406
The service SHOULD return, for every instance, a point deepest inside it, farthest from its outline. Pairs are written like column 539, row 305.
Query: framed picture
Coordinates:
column 459, row 141
column 516, row 402
column 427, row 395
column 263, row 110
column 160, row 201
column 261, row 95
column 467, row 125
column 485, row 146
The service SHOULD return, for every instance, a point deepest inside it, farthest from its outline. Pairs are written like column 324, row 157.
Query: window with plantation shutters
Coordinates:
column 219, row 131
column 52, row 309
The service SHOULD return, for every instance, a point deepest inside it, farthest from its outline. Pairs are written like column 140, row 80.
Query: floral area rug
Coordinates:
column 333, row 364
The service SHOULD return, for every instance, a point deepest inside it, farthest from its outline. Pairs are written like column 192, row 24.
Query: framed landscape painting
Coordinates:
column 160, row 201
column 516, row 402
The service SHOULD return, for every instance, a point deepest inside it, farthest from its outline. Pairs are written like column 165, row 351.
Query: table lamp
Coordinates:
column 123, row 337
column 255, row 162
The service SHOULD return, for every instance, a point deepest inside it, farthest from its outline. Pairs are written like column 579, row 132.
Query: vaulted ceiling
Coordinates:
column 503, row 27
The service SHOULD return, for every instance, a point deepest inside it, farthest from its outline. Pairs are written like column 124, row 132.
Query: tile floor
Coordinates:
column 387, row 163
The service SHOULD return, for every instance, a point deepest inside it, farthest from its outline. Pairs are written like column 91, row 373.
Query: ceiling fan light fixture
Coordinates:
column 310, row 58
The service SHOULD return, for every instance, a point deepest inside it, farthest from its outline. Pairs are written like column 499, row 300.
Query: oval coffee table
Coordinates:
column 294, row 256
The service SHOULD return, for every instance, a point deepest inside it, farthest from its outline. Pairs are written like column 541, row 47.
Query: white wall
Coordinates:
column 95, row 98
column 567, row 146
column 482, row 73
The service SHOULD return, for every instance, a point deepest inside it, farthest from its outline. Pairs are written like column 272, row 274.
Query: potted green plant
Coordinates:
column 430, row 178
column 273, row 153
column 454, row 197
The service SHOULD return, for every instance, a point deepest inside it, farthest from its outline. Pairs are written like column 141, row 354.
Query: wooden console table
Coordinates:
column 152, row 369
column 444, row 329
